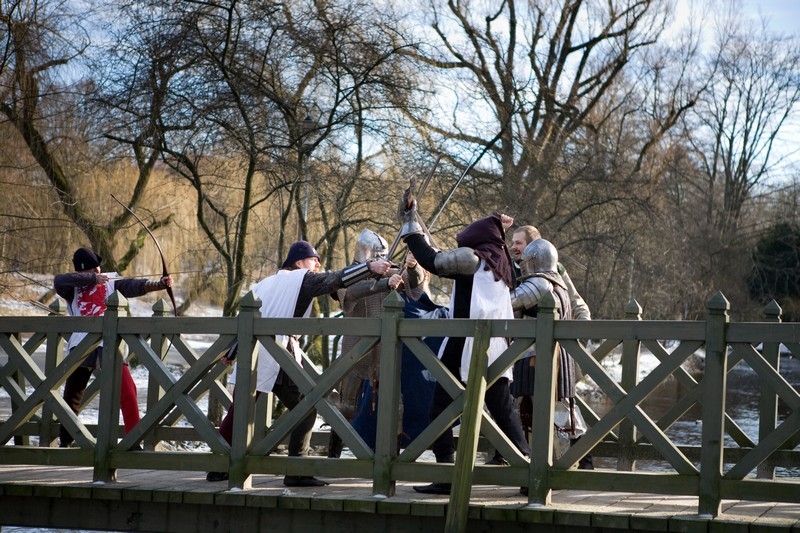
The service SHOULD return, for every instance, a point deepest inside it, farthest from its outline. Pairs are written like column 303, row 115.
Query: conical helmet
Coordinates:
column 370, row 245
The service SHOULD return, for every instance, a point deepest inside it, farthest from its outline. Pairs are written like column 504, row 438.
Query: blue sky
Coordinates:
column 782, row 15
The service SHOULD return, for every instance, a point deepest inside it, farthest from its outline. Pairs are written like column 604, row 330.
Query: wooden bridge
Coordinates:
column 727, row 482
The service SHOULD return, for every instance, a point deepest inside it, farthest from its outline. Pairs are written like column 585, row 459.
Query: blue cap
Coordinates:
column 299, row 251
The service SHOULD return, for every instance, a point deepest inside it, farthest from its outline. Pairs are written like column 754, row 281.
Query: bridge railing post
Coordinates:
column 458, row 507
column 160, row 345
column 244, row 398
column 629, row 379
column 54, row 354
column 714, row 391
column 389, row 397
column 544, row 392
column 768, row 399
column 110, row 389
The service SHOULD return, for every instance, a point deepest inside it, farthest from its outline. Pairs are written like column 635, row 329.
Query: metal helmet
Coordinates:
column 370, row 245
column 538, row 256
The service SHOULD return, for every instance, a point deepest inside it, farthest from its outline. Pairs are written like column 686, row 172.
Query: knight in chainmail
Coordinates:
column 365, row 299
column 540, row 276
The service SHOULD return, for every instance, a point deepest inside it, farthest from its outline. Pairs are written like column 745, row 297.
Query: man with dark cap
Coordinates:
column 85, row 291
column 482, row 276
column 286, row 294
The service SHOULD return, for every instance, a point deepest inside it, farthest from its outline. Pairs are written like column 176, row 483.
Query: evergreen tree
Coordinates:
column 775, row 274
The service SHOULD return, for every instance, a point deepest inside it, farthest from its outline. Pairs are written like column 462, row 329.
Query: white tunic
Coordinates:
column 490, row 299
column 278, row 294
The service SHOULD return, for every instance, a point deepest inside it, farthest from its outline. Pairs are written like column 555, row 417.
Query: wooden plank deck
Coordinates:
column 47, row 496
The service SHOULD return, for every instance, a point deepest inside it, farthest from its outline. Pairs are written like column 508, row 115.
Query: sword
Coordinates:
column 463, row 175
column 426, row 227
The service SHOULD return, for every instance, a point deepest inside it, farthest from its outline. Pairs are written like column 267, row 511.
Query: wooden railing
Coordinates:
column 627, row 433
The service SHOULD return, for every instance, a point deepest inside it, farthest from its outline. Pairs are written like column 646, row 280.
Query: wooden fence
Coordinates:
column 627, row 432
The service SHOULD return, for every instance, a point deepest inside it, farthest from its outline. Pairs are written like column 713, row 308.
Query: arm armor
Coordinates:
column 354, row 273
column 461, row 261
column 529, row 293
column 409, row 225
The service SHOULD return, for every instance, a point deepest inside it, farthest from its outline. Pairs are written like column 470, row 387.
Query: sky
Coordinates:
column 782, row 15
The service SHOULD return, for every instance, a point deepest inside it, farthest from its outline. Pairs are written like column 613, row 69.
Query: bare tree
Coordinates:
column 45, row 89
column 723, row 164
column 754, row 89
column 572, row 98
column 253, row 104
column 39, row 40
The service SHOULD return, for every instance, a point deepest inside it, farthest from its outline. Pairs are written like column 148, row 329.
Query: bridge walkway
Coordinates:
column 177, row 501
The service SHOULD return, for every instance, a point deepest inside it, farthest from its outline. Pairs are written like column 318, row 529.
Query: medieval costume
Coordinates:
column 289, row 293
column 359, row 388
column 482, row 274
column 86, row 291
column 540, row 276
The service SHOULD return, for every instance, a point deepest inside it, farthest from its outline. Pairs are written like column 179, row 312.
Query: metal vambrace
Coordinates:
column 409, row 223
column 354, row 273
column 459, row 261
column 529, row 292
column 411, row 227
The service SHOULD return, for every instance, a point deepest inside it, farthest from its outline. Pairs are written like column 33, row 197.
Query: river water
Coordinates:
column 743, row 391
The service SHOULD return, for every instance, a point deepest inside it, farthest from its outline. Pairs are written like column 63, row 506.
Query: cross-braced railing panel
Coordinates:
column 627, row 404
column 774, row 435
column 46, row 387
column 177, row 392
column 316, row 388
column 628, row 430
column 411, row 337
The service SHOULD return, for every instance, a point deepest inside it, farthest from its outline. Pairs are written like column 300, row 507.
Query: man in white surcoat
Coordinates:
column 290, row 293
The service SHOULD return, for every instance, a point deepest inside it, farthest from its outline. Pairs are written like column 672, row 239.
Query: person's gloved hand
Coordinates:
column 407, row 215
column 407, row 206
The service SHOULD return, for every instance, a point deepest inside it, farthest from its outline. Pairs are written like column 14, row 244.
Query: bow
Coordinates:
column 160, row 252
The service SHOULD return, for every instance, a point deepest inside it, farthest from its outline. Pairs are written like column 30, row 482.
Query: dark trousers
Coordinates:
column 288, row 393
column 501, row 407
column 497, row 398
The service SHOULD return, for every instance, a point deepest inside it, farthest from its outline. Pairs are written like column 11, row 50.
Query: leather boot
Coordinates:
column 303, row 481
column 438, row 488
column 74, row 388
column 335, row 445
column 434, row 488
column 586, row 461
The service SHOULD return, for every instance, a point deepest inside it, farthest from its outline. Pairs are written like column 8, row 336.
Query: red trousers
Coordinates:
column 75, row 386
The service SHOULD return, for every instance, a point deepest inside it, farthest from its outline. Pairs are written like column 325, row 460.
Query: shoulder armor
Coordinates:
column 459, row 261
column 529, row 292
